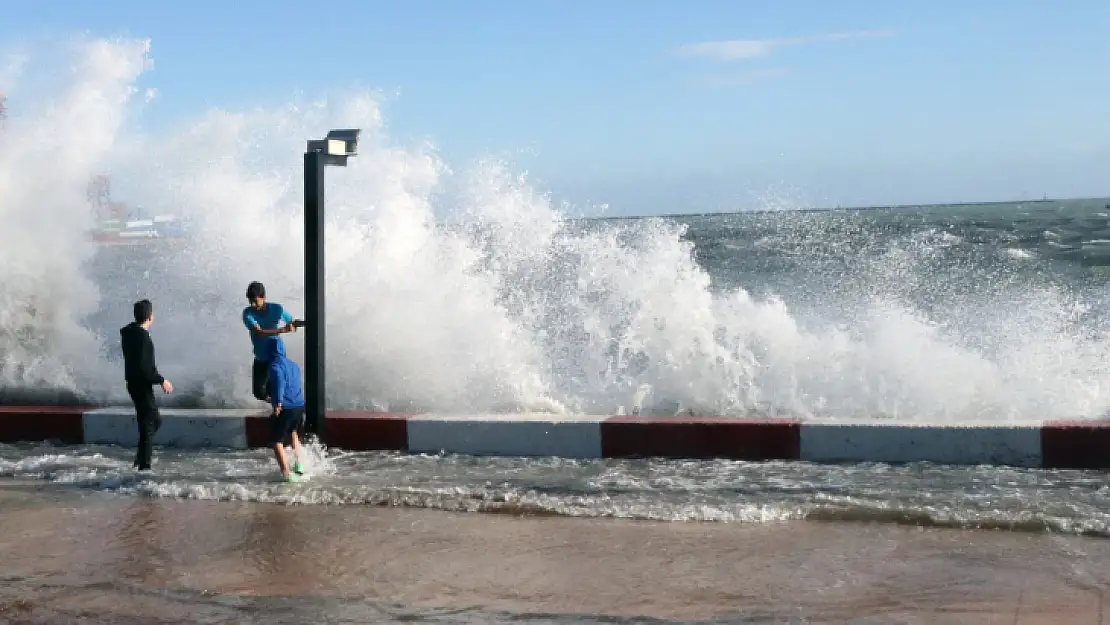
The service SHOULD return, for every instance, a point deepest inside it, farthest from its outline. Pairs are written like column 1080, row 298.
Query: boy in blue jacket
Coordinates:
column 287, row 399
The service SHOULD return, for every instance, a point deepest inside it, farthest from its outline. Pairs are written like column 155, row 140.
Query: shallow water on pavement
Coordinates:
column 77, row 555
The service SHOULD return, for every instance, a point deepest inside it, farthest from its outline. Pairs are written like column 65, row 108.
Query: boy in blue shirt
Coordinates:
column 287, row 399
column 264, row 320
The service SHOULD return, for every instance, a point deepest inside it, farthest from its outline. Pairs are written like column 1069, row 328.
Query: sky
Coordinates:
column 660, row 106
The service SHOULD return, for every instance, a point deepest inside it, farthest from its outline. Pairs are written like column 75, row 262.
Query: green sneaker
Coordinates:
column 292, row 478
column 298, row 469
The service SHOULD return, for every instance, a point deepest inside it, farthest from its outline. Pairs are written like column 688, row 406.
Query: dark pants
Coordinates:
column 146, row 413
column 283, row 425
column 260, row 375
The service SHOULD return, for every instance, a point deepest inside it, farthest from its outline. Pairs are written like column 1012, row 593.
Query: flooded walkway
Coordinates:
column 69, row 555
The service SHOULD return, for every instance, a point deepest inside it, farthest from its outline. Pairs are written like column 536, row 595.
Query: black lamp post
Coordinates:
column 334, row 150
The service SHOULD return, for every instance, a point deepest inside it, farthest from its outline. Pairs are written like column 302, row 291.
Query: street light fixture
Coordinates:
column 333, row 150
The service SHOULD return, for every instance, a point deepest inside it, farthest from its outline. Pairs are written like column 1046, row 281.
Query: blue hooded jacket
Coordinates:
column 285, row 377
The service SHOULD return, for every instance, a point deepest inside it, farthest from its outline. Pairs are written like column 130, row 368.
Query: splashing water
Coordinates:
column 468, row 290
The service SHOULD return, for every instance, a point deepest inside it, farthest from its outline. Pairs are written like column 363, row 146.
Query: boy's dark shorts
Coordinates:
column 282, row 426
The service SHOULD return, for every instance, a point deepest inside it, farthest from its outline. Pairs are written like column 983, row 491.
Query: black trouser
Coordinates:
column 149, row 420
column 260, row 375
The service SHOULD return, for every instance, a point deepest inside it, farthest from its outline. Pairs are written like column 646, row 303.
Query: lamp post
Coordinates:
column 334, row 150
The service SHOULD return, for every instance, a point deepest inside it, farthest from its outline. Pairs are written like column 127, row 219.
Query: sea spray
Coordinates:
column 462, row 288
column 48, row 149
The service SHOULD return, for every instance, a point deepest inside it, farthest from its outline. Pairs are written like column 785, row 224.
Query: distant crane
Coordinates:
column 99, row 194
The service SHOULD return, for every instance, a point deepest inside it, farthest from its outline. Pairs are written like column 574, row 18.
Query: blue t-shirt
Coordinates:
column 273, row 316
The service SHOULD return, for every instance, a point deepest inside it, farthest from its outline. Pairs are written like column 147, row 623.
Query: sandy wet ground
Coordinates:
column 67, row 555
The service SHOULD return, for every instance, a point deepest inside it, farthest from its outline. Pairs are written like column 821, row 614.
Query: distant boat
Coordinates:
column 138, row 231
column 114, row 229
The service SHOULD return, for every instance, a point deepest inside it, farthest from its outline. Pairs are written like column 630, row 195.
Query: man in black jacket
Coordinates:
column 142, row 374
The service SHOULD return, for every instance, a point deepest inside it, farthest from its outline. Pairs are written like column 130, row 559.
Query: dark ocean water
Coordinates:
column 925, row 252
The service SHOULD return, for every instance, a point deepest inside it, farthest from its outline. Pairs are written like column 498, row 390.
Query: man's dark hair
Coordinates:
column 255, row 290
column 143, row 310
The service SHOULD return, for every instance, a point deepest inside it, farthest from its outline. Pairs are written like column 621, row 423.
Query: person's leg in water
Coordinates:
column 279, row 453
column 152, row 425
column 298, row 453
column 296, row 421
column 283, row 464
column 149, row 421
column 283, row 427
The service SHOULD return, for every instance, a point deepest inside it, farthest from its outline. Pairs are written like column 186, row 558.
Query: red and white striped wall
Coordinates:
column 1048, row 443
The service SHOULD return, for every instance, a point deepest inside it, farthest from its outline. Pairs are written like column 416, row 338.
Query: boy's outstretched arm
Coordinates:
column 252, row 324
column 291, row 321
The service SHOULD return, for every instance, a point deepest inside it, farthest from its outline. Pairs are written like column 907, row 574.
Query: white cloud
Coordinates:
column 740, row 49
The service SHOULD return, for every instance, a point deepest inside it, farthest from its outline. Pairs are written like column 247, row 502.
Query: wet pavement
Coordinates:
column 70, row 555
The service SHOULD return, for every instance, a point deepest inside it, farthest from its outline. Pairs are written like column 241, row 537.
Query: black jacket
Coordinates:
column 138, row 356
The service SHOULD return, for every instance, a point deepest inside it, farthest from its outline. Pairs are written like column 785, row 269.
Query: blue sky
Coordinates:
column 659, row 106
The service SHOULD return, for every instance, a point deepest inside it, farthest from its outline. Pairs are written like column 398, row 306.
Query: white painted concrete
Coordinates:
column 180, row 428
column 877, row 441
column 506, row 435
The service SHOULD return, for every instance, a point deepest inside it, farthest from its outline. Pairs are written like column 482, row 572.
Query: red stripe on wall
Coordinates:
column 701, row 437
column 257, row 428
column 41, row 423
column 367, row 431
column 1075, row 445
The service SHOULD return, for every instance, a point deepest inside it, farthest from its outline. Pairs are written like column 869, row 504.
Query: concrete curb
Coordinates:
column 1047, row 444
